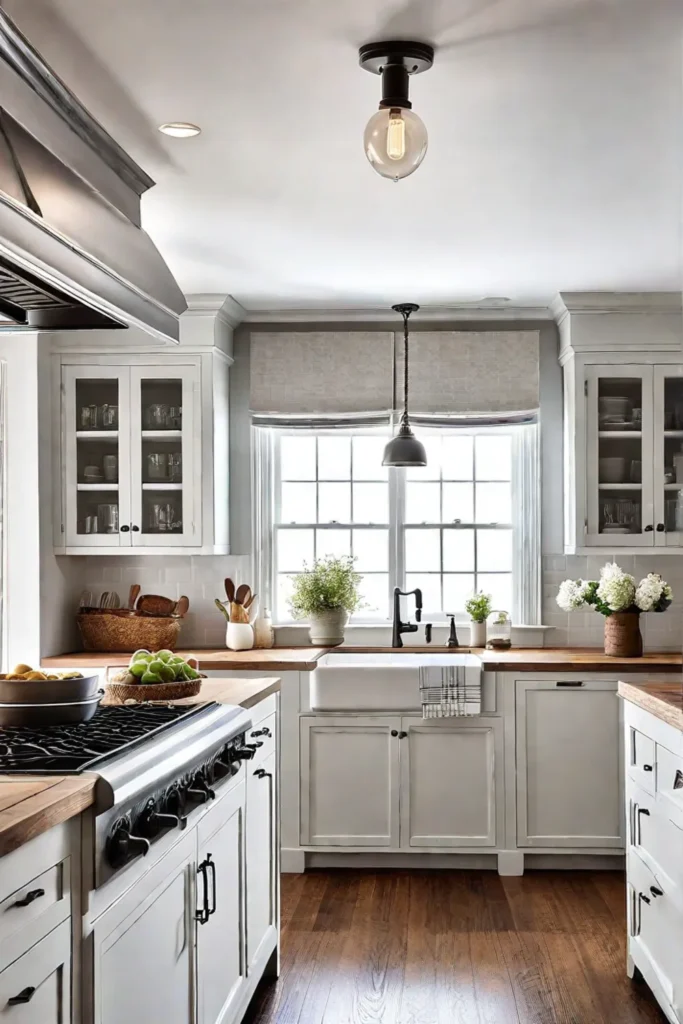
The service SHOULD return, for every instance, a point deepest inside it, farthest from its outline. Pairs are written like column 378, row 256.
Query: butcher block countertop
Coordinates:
column 660, row 697
column 279, row 659
column 304, row 659
column 32, row 804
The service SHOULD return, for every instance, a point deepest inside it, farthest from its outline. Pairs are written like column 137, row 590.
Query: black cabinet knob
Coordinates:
column 644, row 898
column 647, row 768
column 655, row 891
column 648, row 529
column 402, row 735
column 136, row 529
column 34, row 894
column 124, row 528
column 24, row 996
column 394, row 732
column 660, row 527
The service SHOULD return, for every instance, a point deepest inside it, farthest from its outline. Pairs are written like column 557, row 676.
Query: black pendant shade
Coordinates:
column 404, row 449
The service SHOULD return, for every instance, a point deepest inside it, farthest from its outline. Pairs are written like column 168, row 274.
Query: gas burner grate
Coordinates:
column 70, row 749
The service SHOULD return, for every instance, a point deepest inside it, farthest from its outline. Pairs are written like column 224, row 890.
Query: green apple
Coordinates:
column 150, row 677
column 138, row 668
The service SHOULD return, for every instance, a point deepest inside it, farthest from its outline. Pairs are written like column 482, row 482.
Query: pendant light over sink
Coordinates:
column 404, row 449
column 395, row 138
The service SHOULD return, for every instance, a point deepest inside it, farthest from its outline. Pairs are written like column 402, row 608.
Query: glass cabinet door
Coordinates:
column 619, row 477
column 165, row 457
column 668, row 455
column 96, row 444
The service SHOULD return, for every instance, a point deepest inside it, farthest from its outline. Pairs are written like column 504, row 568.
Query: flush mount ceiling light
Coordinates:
column 395, row 138
column 180, row 129
column 404, row 449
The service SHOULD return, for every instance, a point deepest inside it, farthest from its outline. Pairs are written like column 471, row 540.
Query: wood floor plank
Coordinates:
column 455, row 947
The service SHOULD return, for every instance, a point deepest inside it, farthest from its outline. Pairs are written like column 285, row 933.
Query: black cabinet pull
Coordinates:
column 648, row 529
column 261, row 773
column 25, row 996
column 678, row 781
column 573, row 683
column 124, row 528
column 34, row 894
column 394, row 732
column 261, row 732
column 212, row 867
column 660, row 527
column 647, row 767
column 655, row 891
column 136, row 529
column 644, row 898
column 203, row 914
column 402, row 735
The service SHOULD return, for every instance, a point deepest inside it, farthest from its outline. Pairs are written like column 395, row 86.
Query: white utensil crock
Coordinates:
column 239, row 636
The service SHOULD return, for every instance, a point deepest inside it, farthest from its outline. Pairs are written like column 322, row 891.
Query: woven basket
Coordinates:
column 104, row 631
column 118, row 692
column 622, row 635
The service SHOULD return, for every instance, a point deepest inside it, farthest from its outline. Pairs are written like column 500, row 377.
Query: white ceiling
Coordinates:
column 555, row 159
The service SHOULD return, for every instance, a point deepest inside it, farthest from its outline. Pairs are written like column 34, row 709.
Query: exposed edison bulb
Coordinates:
column 395, row 142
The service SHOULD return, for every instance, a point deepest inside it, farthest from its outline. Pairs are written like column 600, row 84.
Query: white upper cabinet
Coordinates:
column 623, row 422
column 138, row 456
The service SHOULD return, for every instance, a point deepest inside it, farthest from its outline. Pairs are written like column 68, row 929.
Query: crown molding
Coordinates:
column 570, row 303
column 467, row 311
column 224, row 307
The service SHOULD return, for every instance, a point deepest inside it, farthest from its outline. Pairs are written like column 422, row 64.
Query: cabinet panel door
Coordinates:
column 143, row 967
column 619, row 441
column 569, row 772
column 261, row 855
column 43, row 975
column 166, row 484
column 448, row 791
column 96, row 446
column 221, row 961
column 350, row 781
column 668, row 455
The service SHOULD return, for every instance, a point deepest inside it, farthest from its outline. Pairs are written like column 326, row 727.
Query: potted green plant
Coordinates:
column 326, row 594
column 618, row 597
column 478, row 607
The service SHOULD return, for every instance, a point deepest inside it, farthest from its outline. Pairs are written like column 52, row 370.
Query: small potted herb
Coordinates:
column 478, row 607
column 326, row 594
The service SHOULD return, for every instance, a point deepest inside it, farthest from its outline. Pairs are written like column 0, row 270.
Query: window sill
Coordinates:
column 379, row 635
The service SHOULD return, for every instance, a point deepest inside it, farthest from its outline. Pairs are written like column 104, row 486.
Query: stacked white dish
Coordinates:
column 612, row 470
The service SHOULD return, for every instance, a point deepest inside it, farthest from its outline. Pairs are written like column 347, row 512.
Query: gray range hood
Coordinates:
column 72, row 252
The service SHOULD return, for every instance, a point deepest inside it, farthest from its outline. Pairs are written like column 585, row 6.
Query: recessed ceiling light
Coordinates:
column 180, row 129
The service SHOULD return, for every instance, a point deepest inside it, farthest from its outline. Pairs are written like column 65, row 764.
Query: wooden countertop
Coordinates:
column 661, row 697
column 304, row 659
column 245, row 692
column 279, row 659
column 32, row 804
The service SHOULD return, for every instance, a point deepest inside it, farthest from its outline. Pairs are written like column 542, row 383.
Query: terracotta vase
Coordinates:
column 622, row 635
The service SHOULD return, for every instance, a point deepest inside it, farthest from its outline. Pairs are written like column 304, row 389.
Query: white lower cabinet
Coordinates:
column 569, row 765
column 262, row 861
column 143, row 969
column 221, row 959
column 36, row 988
column 448, row 782
column 350, row 781
column 400, row 783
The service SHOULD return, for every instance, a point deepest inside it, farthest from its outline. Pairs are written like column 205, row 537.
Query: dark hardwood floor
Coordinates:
column 456, row 947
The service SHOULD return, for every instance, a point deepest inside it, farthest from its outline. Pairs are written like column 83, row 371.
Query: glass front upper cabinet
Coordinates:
column 132, row 451
column 668, row 455
column 619, row 471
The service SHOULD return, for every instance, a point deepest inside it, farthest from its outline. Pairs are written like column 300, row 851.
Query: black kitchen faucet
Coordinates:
column 405, row 627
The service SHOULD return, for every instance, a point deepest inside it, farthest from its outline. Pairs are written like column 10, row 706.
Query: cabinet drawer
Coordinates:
column 657, row 840
column 669, row 780
column 263, row 733
column 656, row 929
column 642, row 760
column 40, row 981
column 33, row 910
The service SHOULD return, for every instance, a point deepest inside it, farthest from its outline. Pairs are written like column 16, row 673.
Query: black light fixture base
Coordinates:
column 416, row 57
column 405, row 308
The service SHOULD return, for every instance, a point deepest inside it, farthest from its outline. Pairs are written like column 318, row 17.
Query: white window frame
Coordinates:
column 525, row 520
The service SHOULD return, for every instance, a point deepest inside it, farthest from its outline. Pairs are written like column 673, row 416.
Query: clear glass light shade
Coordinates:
column 395, row 142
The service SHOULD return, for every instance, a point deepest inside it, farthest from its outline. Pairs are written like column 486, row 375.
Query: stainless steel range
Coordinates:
column 155, row 765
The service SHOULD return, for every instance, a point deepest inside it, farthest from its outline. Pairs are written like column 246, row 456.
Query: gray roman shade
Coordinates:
column 321, row 374
column 457, row 373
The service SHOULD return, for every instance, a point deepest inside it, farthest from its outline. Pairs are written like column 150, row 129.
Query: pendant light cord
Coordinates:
column 405, row 365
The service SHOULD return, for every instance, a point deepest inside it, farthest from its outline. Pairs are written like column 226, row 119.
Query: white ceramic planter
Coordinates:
column 327, row 628
column 239, row 636
column 477, row 634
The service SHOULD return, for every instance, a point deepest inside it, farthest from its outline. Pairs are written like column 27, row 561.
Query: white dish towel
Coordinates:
column 450, row 691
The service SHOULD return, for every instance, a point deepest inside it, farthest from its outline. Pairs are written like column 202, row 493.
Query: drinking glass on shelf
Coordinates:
column 174, row 417
column 109, row 417
column 156, row 416
column 108, row 518
column 175, row 467
column 157, row 466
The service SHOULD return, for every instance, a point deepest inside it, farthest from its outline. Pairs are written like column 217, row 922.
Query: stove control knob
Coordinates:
column 199, row 790
column 151, row 822
column 222, row 767
column 122, row 846
column 246, row 752
column 174, row 804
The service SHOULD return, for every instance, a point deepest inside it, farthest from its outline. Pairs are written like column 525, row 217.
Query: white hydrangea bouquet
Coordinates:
column 618, row 597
